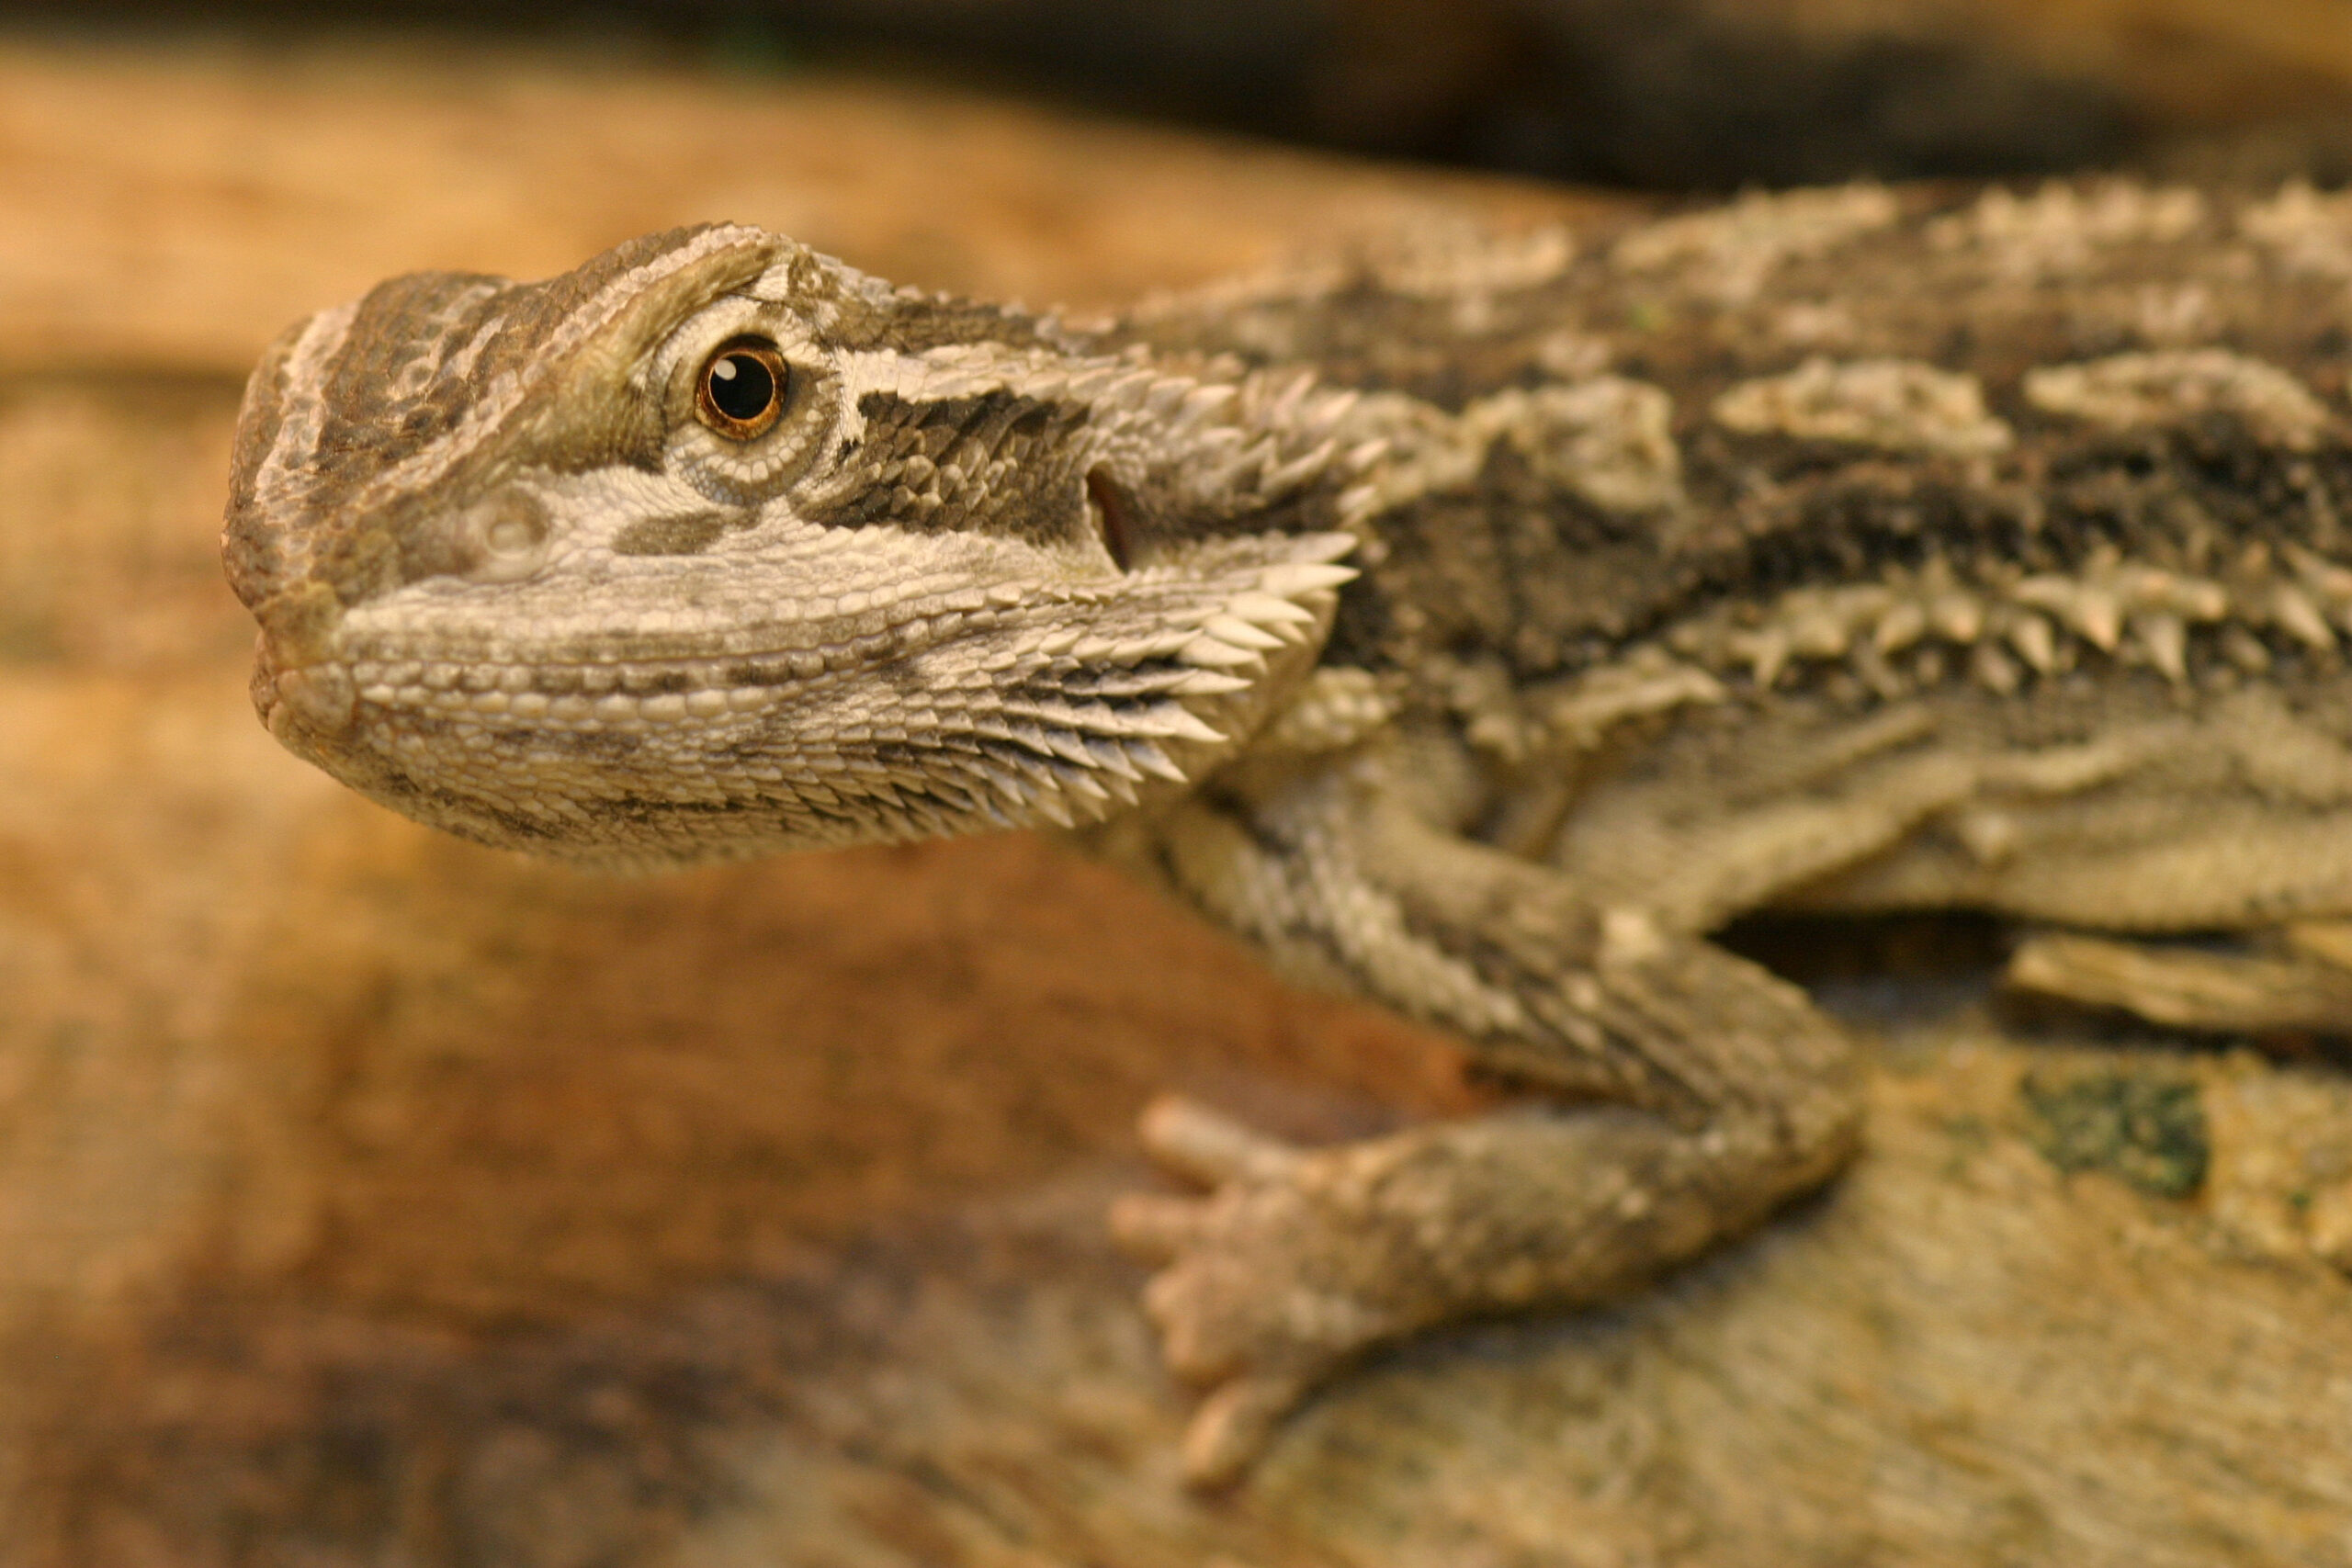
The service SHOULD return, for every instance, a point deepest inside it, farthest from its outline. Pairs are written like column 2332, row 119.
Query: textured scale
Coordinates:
column 1475, row 627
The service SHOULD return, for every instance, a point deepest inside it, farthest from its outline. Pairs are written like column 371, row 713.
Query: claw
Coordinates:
column 1152, row 1229
column 1233, row 1426
column 1194, row 1141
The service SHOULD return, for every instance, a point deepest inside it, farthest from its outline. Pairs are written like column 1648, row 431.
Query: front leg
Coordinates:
column 1723, row 1092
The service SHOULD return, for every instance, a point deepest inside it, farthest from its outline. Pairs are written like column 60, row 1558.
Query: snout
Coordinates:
column 299, row 680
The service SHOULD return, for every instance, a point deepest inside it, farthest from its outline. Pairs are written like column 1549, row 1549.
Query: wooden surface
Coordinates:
column 368, row 1199
column 176, row 208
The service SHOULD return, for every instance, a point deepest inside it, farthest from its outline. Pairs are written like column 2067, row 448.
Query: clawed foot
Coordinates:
column 1296, row 1259
column 1236, row 1300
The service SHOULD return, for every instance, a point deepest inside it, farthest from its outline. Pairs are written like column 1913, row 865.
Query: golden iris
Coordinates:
column 744, row 385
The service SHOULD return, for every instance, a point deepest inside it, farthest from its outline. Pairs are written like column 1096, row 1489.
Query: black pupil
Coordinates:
column 740, row 387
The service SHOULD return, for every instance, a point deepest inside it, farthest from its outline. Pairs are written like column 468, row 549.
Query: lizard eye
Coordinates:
column 744, row 389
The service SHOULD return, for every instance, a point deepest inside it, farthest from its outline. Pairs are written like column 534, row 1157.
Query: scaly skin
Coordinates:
column 1474, row 628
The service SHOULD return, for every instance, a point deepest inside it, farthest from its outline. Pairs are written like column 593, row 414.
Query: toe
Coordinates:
column 1190, row 1138
column 1199, row 1345
column 1234, row 1425
column 1152, row 1229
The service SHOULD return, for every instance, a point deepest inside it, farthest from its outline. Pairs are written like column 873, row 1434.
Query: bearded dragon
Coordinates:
column 1475, row 627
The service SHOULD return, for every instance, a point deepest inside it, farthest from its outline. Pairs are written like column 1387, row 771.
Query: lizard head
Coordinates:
column 716, row 547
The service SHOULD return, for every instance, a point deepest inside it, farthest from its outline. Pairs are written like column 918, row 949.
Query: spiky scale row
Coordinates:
column 2115, row 607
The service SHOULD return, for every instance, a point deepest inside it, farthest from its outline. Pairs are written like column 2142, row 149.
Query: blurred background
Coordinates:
column 1663, row 94
column 368, row 1199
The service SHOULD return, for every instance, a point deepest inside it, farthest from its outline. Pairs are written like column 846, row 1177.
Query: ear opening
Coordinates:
column 1113, row 519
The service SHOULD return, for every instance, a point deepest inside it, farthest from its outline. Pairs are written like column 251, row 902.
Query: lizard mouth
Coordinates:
column 298, row 678
column 321, row 698
column 574, row 696
column 575, row 688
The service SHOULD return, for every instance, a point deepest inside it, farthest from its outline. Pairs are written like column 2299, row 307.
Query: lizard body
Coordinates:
column 1475, row 627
